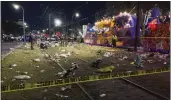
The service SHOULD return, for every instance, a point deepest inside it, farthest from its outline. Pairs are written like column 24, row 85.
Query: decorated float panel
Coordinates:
column 154, row 37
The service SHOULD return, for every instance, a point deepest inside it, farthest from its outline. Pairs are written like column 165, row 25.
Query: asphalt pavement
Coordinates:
column 5, row 47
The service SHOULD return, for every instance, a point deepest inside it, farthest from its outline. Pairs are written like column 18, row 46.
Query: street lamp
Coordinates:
column 17, row 7
column 77, row 15
column 58, row 22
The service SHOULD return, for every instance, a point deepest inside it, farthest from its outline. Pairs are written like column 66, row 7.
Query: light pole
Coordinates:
column 17, row 7
column 76, row 15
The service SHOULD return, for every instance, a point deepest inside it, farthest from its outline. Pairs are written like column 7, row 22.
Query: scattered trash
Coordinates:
column 59, row 95
column 25, row 72
column 14, row 65
column 37, row 66
column 57, row 55
column 26, row 52
column 45, row 90
column 97, row 62
column 2, row 81
column 144, row 55
column 106, row 69
column 118, row 65
column 46, row 55
column 165, row 63
column 31, row 74
column 11, row 48
column 60, row 73
column 120, row 59
column 162, row 56
column 150, row 61
column 37, row 60
column 66, row 87
column 125, row 57
column 108, row 54
column 43, row 45
column 42, row 71
column 129, row 71
column 5, row 78
column 21, row 77
column 10, row 68
column 67, row 73
column 69, row 54
column 53, row 46
column 13, row 79
column 63, row 88
column 99, row 52
column 74, row 66
column 102, row 95
column 63, row 55
column 56, row 44
column 65, row 96
column 62, row 50
column 132, row 63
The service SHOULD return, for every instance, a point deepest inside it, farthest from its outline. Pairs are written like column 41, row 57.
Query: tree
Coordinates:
column 10, row 27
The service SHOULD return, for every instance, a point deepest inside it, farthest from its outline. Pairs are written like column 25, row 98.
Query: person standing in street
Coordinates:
column 114, row 39
column 31, row 41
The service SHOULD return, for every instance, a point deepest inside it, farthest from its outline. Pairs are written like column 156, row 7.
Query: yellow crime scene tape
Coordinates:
column 81, row 79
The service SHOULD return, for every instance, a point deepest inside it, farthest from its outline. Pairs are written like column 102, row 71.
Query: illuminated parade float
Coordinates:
column 153, row 34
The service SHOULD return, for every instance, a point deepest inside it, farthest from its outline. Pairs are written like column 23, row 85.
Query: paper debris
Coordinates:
column 60, row 73
column 56, row 44
column 132, row 63
column 25, row 72
column 102, row 95
column 14, row 65
column 13, row 79
column 22, row 77
column 150, row 61
column 165, row 63
column 52, row 46
column 63, row 88
column 108, row 54
column 129, row 71
column 65, row 96
column 37, row 60
column 42, row 71
column 45, row 90
column 46, row 55
column 66, row 87
column 37, row 66
column 31, row 74
column 62, row 50
column 2, row 81
column 11, row 48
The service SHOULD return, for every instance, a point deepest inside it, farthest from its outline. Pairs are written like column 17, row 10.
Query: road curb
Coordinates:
column 11, row 51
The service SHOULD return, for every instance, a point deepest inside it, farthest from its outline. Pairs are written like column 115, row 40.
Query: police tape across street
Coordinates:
column 81, row 79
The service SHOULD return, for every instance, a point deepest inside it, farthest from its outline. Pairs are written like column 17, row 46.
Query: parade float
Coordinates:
column 153, row 37
column 157, row 34
column 122, row 25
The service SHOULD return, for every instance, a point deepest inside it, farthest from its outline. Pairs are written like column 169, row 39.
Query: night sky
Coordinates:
column 36, row 12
